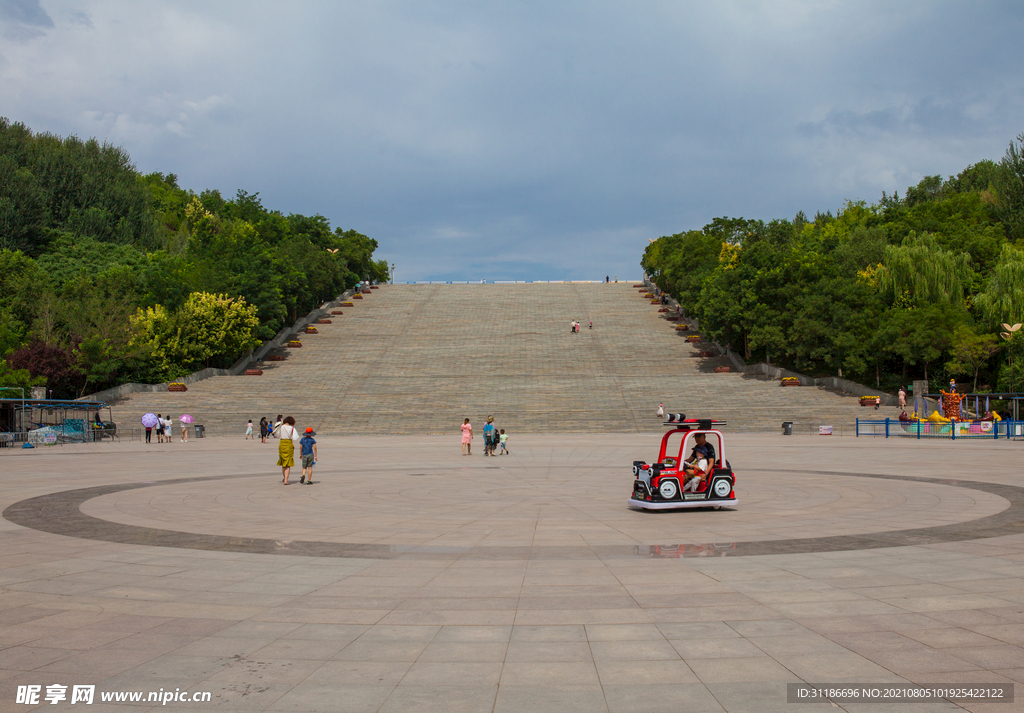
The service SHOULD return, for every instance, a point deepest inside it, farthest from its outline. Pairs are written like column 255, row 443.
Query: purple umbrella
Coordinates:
column 149, row 420
column 185, row 418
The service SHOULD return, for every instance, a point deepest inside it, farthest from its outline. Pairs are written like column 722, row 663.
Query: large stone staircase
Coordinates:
column 420, row 358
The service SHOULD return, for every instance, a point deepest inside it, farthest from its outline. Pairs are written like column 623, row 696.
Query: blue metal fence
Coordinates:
column 894, row 428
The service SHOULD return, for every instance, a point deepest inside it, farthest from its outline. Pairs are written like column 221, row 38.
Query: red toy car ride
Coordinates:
column 691, row 470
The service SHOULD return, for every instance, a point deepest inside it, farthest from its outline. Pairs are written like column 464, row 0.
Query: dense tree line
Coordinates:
column 109, row 276
column 911, row 287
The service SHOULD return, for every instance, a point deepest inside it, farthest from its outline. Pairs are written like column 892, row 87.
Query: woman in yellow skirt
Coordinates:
column 289, row 436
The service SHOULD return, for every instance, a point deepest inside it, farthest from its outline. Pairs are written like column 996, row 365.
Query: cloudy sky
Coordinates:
column 537, row 140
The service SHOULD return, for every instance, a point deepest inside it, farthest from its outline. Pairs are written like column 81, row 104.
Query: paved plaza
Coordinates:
column 412, row 578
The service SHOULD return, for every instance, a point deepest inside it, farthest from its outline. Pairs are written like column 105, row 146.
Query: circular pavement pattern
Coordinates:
column 502, row 513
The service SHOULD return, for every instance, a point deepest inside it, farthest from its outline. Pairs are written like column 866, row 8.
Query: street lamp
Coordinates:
column 392, row 273
column 1008, row 336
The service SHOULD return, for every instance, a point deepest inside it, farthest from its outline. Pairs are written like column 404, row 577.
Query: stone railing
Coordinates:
column 252, row 357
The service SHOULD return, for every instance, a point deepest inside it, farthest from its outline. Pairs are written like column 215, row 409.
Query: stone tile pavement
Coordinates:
column 511, row 584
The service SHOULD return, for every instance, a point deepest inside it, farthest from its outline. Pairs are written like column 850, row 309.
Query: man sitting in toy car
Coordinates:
column 699, row 464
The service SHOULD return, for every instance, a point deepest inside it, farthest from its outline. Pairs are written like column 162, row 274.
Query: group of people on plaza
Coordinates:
column 493, row 438
column 574, row 326
column 164, row 429
column 268, row 428
column 283, row 429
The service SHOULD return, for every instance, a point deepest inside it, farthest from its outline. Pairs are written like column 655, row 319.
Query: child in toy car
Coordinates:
column 695, row 475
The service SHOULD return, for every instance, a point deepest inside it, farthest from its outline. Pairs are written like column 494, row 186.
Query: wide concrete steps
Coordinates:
column 421, row 358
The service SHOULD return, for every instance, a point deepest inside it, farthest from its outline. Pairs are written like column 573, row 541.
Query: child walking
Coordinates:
column 308, row 445
column 503, row 439
column 248, row 431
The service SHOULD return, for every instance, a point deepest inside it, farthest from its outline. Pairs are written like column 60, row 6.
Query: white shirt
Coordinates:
column 289, row 431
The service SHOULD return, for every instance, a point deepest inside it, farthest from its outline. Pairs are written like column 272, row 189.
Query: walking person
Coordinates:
column 263, row 429
column 159, row 428
column 489, row 436
column 149, row 434
column 288, row 436
column 308, row 451
column 661, row 410
column 572, row 327
column 184, row 432
column 169, row 429
column 467, row 437
column 903, row 398
column 248, row 431
column 503, row 439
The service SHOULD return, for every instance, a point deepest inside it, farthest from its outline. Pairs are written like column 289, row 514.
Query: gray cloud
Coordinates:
column 80, row 18
column 25, row 12
column 547, row 142
column 23, row 20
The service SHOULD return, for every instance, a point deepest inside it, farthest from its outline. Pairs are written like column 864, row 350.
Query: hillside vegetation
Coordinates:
column 109, row 276
column 911, row 287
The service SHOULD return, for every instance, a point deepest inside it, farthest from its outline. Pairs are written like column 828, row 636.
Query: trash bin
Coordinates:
column 787, row 428
column 200, row 430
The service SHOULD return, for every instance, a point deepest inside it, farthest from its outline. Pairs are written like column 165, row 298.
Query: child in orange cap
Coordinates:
column 308, row 446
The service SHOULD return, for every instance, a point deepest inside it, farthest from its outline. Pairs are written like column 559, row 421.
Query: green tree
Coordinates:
column 680, row 263
column 214, row 327
column 923, row 272
column 85, row 242
column 70, row 257
column 208, row 330
column 1003, row 296
column 82, row 187
column 919, row 335
column 17, row 378
column 970, row 352
column 1010, row 189
column 97, row 361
